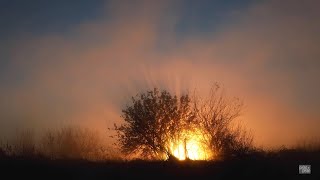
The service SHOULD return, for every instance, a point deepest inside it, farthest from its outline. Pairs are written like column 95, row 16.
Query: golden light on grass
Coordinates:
column 191, row 145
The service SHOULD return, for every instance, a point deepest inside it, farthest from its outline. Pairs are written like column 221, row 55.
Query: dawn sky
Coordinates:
column 79, row 61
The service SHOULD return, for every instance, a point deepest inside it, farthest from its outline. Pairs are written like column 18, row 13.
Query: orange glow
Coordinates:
column 191, row 146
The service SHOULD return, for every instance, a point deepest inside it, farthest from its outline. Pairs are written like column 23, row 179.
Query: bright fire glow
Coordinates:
column 191, row 146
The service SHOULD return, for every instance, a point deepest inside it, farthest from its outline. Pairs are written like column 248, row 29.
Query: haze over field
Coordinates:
column 80, row 62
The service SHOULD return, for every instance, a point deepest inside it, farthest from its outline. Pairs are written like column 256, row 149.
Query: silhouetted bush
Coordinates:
column 308, row 145
column 158, row 118
column 153, row 119
column 24, row 144
column 73, row 143
column 65, row 143
column 217, row 115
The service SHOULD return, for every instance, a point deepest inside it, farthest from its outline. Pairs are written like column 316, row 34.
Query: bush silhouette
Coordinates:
column 152, row 119
column 156, row 118
column 24, row 144
column 72, row 143
column 217, row 115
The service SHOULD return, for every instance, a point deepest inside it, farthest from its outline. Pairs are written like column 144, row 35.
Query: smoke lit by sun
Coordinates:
column 191, row 145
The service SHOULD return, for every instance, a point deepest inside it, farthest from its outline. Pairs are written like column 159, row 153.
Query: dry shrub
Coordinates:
column 218, row 116
column 24, row 144
column 74, row 143
column 155, row 118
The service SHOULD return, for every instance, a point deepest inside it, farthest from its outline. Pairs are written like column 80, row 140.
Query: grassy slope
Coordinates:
column 258, row 166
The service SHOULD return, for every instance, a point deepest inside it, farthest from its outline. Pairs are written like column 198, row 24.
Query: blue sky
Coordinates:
column 38, row 17
column 45, row 16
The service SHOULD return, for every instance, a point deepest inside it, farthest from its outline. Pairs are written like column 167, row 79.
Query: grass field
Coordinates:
column 280, row 165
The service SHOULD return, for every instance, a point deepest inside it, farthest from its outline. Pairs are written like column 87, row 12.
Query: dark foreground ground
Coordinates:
column 275, row 166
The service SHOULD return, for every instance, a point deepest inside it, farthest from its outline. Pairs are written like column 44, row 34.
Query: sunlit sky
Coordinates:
column 78, row 62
